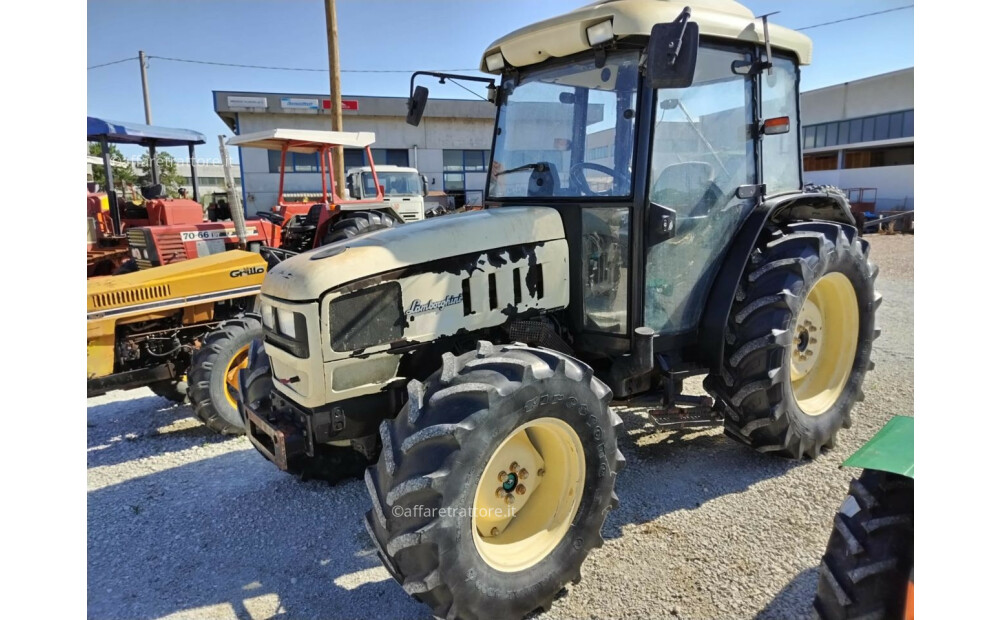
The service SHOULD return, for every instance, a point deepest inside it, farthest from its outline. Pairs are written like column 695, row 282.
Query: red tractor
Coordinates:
column 290, row 226
column 110, row 217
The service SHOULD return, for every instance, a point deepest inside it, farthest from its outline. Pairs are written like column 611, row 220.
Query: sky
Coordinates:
column 384, row 35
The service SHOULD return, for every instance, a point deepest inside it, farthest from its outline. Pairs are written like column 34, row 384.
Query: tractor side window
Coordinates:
column 780, row 153
column 702, row 152
column 605, row 269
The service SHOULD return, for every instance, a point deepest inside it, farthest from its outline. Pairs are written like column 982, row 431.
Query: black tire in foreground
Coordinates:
column 331, row 463
column 214, row 368
column 175, row 391
column 785, row 388
column 868, row 562
column 354, row 223
column 433, row 467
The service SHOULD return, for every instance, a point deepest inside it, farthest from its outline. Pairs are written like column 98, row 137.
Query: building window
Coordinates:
column 357, row 158
column 890, row 126
column 819, row 161
column 876, row 158
column 294, row 162
column 457, row 163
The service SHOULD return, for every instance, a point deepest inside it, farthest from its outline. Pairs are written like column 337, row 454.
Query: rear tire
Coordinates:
column 435, row 458
column 354, row 223
column 214, row 371
column 783, row 392
column 868, row 562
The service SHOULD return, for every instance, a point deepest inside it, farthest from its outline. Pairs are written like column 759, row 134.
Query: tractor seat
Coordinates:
column 689, row 188
column 152, row 192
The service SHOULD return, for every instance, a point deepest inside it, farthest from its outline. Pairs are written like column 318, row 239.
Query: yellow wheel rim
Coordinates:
column 239, row 360
column 528, row 494
column 826, row 339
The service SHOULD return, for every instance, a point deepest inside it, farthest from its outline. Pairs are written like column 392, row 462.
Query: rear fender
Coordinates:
column 779, row 209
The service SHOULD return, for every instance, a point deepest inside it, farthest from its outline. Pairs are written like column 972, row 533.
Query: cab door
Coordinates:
column 702, row 150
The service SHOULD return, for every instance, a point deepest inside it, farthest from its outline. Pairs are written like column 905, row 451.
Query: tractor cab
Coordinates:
column 305, row 224
column 110, row 214
column 654, row 128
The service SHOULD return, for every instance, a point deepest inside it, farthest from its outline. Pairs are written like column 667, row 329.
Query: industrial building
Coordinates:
column 450, row 147
column 858, row 136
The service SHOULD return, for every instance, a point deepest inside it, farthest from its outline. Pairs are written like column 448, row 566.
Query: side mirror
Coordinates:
column 672, row 54
column 353, row 187
column 423, row 183
column 416, row 104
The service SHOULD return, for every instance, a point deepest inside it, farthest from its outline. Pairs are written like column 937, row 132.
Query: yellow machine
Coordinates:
column 182, row 329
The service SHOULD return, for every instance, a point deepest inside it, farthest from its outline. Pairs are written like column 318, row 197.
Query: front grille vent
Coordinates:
column 130, row 296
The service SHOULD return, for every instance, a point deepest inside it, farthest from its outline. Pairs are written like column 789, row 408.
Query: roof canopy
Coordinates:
column 135, row 133
column 566, row 34
column 302, row 140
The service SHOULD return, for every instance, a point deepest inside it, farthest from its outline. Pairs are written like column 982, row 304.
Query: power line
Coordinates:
column 847, row 19
column 113, row 62
column 271, row 68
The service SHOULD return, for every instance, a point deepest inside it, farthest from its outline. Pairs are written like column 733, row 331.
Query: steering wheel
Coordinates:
column 579, row 181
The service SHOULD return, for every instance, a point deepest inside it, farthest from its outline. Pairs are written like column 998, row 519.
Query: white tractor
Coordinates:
column 645, row 222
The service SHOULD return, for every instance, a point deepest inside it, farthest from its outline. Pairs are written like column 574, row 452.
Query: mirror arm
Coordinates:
column 675, row 46
column 449, row 76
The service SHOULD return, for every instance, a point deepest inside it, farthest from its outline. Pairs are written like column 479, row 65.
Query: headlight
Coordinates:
column 600, row 33
column 286, row 323
column 494, row 62
column 267, row 316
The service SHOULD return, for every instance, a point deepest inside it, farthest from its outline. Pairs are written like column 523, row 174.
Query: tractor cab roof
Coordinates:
column 118, row 132
column 566, row 34
column 302, row 140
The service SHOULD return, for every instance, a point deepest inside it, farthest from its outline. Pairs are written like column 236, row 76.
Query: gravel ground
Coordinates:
column 185, row 524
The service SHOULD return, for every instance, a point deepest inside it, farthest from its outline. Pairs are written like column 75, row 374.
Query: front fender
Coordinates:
column 891, row 449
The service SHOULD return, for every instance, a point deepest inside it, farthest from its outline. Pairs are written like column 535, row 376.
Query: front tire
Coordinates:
column 868, row 564
column 214, row 371
column 436, row 487
column 799, row 340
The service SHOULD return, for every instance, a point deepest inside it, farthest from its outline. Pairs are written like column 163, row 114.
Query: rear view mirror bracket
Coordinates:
column 418, row 94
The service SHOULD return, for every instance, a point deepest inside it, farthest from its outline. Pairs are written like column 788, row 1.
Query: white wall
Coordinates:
column 889, row 92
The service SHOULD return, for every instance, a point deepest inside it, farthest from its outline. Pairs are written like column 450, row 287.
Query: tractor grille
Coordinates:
column 409, row 217
column 130, row 296
column 170, row 248
column 136, row 238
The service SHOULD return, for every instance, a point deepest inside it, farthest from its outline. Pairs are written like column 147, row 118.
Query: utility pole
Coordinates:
column 336, row 116
column 149, row 114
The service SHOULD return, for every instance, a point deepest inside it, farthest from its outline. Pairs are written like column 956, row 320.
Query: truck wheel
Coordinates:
column 214, row 373
column 175, row 391
column 496, row 432
column 799, row 340
column 868, row 565
column 331, row 463
column 355, row 223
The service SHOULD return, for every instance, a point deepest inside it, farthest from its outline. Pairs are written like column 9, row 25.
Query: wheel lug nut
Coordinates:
column 541, row 472
column 813, row 341
column 521, row 490
column 509, row 499
column 495, row 531
column 522, row 474
column 514, row 467
column 812, row 328
column 502, row 476
column 501, row 493
column 809, row 353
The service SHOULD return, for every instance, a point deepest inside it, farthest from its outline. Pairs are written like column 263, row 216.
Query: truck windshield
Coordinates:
column 395, row 183
column 567, row 131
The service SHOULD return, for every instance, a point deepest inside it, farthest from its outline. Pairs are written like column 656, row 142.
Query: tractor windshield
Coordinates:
column 567, row 131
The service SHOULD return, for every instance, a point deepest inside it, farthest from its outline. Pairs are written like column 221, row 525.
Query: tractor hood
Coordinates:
column 307, row 276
